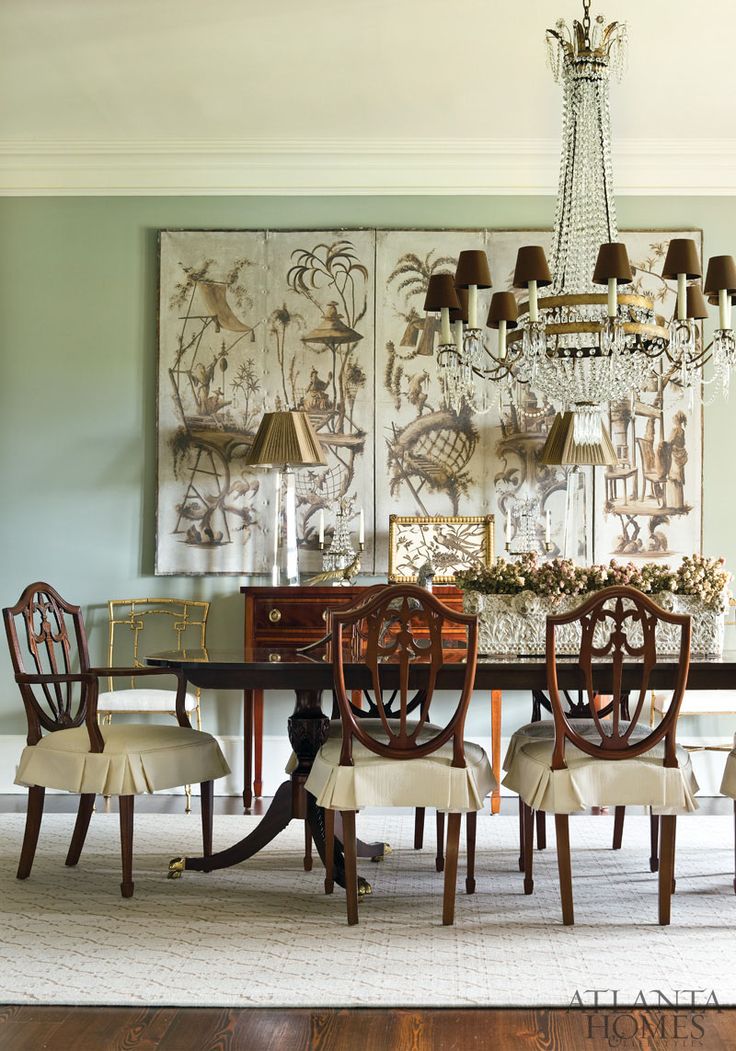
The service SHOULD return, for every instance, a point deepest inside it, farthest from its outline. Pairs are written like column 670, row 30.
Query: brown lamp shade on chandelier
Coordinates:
column 682, row 258
column 441, row 293
column 531, row 265
column 503, row 308
column 460, row 313
column 696, row 307
column 721, row 273
column 473, row 269
column 612, row 263
column 286, row 439
column 561, row 449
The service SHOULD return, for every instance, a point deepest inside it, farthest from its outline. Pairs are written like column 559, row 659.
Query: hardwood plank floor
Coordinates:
column 223, row 1029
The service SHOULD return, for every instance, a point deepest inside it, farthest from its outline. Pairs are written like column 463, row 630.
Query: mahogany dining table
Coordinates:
column 271, row 668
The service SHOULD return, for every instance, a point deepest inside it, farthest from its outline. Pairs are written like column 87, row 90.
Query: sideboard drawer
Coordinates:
column 272, row 615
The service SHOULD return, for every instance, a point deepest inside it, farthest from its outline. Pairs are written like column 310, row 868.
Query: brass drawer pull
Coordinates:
column 274, row 616
column 325, row 615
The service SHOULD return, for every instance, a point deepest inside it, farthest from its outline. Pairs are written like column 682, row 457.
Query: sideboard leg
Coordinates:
column 496, row 698
column 247, row 748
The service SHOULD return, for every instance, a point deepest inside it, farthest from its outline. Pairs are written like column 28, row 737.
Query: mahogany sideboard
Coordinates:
column 296, row 616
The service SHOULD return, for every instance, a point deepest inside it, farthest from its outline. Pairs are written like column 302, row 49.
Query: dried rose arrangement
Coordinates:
column 704, row 578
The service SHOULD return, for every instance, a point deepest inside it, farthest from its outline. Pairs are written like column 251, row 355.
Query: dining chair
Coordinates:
column 364, row 707
column 612, row 764
column 59, row 687
column 728, row 788
column 140, row 626
column 401, row 759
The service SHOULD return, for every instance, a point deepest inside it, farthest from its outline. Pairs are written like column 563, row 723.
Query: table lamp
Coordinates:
column 285, row 440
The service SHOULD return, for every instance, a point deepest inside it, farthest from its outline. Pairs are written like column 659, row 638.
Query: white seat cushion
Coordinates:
column 137, row 758
column 142, row 701
column 728, row 784
column 712, row 702
column 372, row 726
column 544, row 730
column 376, row 781
column 590, row 781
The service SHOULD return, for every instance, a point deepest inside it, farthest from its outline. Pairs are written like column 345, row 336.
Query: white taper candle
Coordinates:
column 724, row 308
column 445, row 330
column 533, row 309
column 548, row 526
column 612, row 297
column 508, row 525
column 502, row 339
column 361, row 527
column 321, row 525
column 472, row 306
column 682, row 297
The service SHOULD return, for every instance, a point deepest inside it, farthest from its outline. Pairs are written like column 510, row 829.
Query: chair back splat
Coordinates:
column 618, row 652
column 51, row 669
column 401, row 626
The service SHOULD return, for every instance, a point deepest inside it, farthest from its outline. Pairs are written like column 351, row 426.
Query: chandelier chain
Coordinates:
column 586, row 21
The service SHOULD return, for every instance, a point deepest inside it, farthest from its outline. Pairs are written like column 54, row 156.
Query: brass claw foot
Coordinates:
column 364, row 888
column 387, row 849
column 176, row 868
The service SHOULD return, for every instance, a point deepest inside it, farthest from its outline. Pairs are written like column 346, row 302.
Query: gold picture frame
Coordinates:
column 415, row 539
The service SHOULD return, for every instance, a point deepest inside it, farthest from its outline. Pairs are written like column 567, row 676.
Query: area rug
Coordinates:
column 265, row 934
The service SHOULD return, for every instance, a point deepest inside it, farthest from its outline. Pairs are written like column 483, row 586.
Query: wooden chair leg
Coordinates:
column 307, row 847
column 126, row 844
column 453, row 847
column 329, row 851
column 541, row 823
column 521, row 835
column 471, row 826
column 419, row 827
column 618, row 827
column 439, row 861
column 562, row 828
column 666, row 868
column 349, row 847
column 34, row 813
column 247, row 748
column 654, row 837
column 84, row 814
column 258, row 743
column 207, row 794
column 528, row 849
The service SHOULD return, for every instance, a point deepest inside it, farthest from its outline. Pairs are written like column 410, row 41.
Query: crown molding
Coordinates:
column 350, row 166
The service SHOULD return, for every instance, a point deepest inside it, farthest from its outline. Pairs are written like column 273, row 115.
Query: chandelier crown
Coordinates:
column 586, row 47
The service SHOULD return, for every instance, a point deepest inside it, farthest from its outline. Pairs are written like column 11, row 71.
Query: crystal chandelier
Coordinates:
column 578, row 337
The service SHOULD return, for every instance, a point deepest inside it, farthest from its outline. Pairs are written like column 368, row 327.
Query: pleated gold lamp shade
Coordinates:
column 286, row 438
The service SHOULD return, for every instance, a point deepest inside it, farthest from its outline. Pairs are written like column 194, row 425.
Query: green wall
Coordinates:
column 78, row 283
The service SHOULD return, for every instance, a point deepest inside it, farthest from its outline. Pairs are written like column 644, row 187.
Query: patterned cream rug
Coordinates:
column 265, row 934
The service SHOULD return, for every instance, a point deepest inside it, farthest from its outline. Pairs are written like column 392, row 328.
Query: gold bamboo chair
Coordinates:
column 137, row 627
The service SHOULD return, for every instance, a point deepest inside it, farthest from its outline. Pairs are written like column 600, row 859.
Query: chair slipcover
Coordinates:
column 590, row 781
column 376, row 781
column 143, row 701
column 372, row 726
column 728, row 784
column 137, row 758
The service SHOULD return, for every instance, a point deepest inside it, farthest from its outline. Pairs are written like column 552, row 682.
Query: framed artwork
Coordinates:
column 449, row 544
column 332, row 322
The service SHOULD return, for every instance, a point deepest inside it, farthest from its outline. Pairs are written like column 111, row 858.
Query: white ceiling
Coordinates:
column 106, row 90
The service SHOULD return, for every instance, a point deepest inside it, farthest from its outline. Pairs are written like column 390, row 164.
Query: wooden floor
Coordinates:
column 222, row 1029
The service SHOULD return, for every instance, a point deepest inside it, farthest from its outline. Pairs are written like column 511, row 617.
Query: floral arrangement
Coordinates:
column 704, row 578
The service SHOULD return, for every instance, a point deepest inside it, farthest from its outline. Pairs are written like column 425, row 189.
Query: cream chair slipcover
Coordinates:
column 376, row 781
column 137, row 758
column 588, row 781
column 143, row 701
column 728, row 784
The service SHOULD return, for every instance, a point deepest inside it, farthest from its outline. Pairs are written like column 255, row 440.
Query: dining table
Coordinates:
column 309, row 676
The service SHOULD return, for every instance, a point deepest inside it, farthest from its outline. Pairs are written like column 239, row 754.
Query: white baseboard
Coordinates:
column 708, row 765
